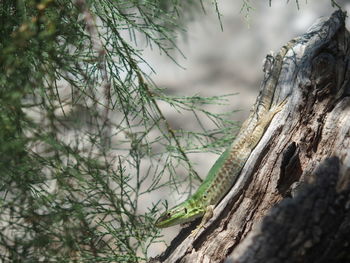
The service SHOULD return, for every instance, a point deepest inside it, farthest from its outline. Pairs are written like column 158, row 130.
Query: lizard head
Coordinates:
column 180, row 214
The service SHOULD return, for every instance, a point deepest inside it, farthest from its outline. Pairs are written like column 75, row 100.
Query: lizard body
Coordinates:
column 220, row 178
column 227, row 168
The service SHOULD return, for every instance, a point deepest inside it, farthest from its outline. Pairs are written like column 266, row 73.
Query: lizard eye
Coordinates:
column 185, row 210
column 204, row 196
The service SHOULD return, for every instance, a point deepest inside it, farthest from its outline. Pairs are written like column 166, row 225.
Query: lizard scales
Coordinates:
column 227, row 168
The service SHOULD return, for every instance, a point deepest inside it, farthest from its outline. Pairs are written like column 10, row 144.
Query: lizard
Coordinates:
column 225, row 171
column 220, row 178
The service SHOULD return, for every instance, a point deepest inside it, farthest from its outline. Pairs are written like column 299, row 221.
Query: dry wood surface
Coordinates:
column 291, row 202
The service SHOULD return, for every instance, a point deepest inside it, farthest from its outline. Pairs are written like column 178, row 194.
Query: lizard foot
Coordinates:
column 209, row 211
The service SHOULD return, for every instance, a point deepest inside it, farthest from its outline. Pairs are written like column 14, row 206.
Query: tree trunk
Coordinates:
column 291, row 202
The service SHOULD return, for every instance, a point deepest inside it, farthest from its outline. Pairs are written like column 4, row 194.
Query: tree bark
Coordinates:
column 291, row 202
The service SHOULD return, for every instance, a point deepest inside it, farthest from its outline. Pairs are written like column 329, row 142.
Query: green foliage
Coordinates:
column 82, row 137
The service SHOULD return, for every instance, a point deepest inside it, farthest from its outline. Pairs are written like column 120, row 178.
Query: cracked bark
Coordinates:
column 291, row 202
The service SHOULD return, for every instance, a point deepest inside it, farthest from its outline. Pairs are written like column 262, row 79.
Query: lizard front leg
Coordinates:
column 209, row 211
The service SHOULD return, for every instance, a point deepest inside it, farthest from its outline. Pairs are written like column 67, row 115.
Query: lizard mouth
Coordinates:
column 163, row 220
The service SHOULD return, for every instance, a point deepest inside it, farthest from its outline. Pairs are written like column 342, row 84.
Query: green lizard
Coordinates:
column 220, row 178
column 227, row 168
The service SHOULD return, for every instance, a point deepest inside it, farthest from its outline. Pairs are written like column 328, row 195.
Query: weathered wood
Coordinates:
column 283, row 208
column 314, row 226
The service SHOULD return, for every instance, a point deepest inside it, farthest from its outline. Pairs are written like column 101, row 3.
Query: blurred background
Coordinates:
column 89, row 148
column 217, row 62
